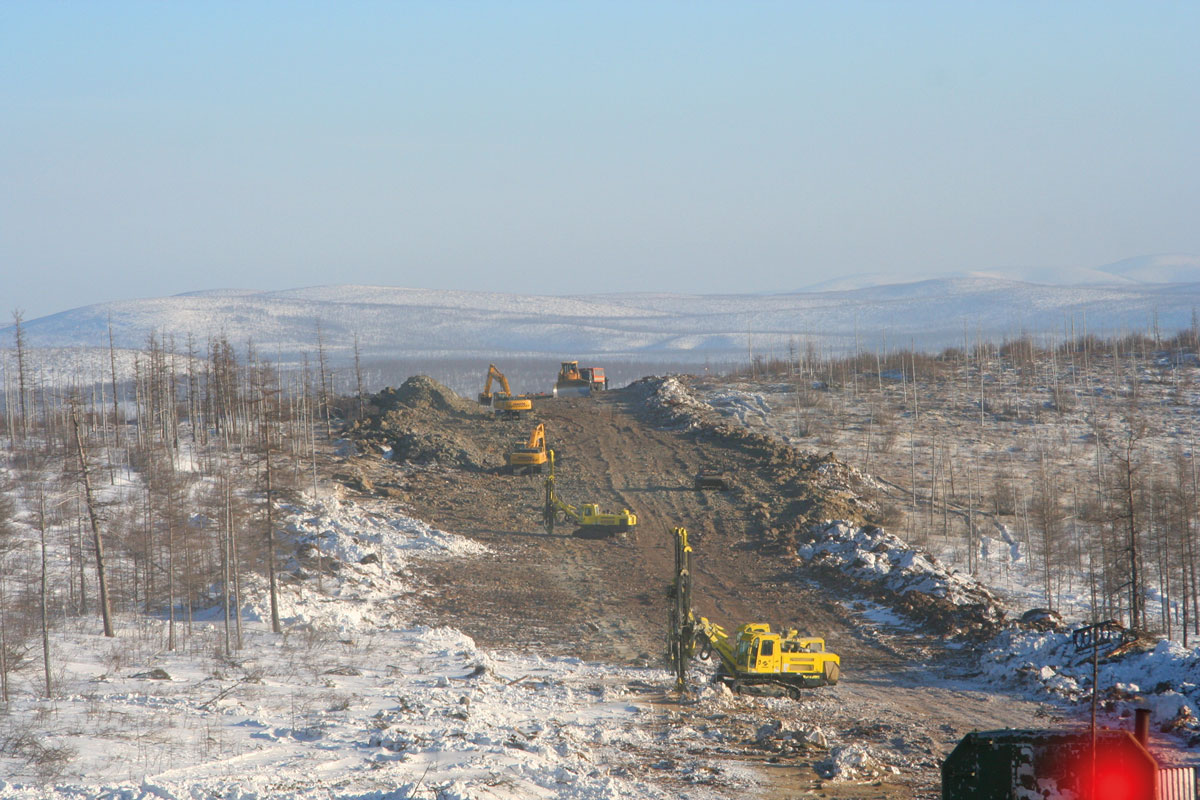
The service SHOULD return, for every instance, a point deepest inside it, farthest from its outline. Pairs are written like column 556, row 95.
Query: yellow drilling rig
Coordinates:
column 754, row 655
column 588, row 517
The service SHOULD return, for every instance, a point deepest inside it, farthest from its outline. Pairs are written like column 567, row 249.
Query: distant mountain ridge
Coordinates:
column 393, row 322
column 1162, row 268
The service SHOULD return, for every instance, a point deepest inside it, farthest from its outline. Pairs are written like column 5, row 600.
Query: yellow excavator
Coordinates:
column 588, row 517
column 502, row 401
column 754, row 656
column 531, row 457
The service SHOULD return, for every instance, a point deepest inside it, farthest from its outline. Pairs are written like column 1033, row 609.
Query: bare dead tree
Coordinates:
column 358, row 377
column 1124, row 448
column 97, row 539
column 43, row 594
column 112, row 362
column 22, row 382
column 325, row 390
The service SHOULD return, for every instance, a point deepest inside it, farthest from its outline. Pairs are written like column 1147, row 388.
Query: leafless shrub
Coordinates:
column 336, row 701
column 809, row 397
column 888, row 434
column 47, row 761
column 826, row 433
column 116, row 658
column 883, row 414
column 1004, row 494
column 1063, row 401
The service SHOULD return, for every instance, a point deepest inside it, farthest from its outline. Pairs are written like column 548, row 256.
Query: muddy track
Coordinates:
column 606, row 599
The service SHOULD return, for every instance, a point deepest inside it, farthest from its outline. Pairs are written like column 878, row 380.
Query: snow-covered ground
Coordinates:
column 1004, row 560
column 1160, row 675
column 357, row 699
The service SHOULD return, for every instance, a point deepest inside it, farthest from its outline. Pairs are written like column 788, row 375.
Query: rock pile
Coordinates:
column 898, row 575
column 402, row 426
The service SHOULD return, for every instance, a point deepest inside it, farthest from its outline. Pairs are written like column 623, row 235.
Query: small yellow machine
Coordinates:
column 532, row 456
column 587, row 517
column 754, row 656
column 502, row 401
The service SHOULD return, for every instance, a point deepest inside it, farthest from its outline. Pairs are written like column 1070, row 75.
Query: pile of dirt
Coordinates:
column 423, row 393
column 430, row 447
column 802, row 491
column 412, row 423
column 806, row 487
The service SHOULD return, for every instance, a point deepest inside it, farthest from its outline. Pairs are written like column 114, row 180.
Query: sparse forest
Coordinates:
column 151, row 492
column 1079, row 455
column 146, row 503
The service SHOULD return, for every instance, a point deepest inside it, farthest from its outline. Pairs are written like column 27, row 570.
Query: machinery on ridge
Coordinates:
column 587, row 517
column 576, row 381
column 502, row 401
column 754, row 656
column 531, row 457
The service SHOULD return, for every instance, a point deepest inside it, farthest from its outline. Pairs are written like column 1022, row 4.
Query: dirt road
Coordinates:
column 902, row 694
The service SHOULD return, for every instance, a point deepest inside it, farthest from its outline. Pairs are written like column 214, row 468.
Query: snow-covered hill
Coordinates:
column 1161, row 268
column 413, row 323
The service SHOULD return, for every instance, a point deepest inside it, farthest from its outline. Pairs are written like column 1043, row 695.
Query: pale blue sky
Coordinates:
column 156, row 148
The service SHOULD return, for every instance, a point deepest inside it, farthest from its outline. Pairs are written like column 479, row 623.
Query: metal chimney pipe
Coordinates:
column 1141, row 726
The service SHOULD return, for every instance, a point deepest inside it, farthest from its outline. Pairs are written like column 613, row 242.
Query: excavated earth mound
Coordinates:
column 422, row 392
column 801, row 488
column 402, row 426
column 803, row 492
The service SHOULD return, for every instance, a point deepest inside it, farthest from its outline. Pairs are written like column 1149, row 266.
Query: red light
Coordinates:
column 1120, row 773
column 1115, row 781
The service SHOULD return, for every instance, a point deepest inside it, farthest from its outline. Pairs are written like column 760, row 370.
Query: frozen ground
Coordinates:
column 355, row 700
column 1156, row 674
column 893, row 445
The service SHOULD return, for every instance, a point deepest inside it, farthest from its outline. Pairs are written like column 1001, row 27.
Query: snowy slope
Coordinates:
column 356, row 700
column 1161, row 268
column 396, row 323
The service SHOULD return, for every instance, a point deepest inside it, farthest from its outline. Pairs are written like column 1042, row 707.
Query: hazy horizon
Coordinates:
column 541, row 148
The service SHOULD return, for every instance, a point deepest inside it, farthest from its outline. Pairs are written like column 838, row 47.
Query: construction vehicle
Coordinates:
column 588, row 517
column 754, row 656
column 576, row 381
column 502, row 401
column 530, row 458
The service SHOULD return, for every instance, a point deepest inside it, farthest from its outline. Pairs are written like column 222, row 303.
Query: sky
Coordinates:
column 154, row 148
